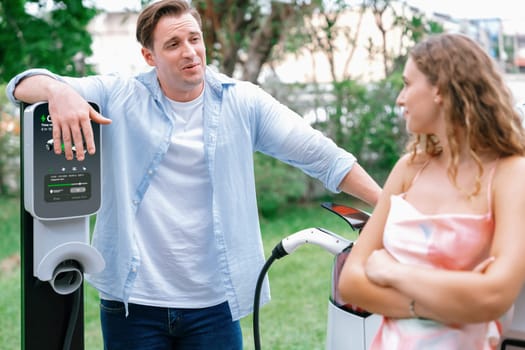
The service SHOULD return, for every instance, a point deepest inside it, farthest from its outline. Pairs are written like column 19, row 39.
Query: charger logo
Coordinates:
column 45, row 119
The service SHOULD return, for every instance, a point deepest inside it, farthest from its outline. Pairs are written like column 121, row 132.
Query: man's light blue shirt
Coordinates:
column 239, row 119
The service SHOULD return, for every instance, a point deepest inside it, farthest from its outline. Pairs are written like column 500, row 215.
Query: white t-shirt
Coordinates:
column 179, row 261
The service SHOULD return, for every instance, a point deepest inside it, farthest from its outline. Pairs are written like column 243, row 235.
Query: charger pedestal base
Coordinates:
column 349, row 331
column 45, row 314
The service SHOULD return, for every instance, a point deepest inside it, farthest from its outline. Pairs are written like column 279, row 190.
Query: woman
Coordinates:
column 441, row 255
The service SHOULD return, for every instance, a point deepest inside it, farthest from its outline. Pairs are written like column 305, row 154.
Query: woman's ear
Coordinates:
column 437, row 96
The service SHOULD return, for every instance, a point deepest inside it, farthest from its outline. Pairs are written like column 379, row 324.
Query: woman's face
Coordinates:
column 420, row 100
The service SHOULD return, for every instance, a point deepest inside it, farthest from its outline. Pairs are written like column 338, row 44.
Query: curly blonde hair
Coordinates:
column 478, row 106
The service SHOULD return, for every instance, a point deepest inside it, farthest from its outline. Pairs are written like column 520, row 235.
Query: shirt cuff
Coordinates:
column 10, row 89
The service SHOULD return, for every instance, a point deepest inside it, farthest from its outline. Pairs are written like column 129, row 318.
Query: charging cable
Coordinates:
column 317, row 236
column 75, row 310
column 73, row 317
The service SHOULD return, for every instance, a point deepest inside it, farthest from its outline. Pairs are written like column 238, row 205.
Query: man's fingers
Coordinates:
column 65, row 144
column 87, row 130
column 89, row 141
column 97, row 117
column 78, row 149
column 67, row 139
column 73, row 133
column 57, row 139
column 62, row 141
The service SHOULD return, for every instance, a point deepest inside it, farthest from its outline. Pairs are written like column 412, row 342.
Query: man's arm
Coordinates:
column 360, row 184
column 70, row 113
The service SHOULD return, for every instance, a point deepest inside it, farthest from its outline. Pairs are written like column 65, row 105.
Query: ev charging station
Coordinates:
column 59, row 196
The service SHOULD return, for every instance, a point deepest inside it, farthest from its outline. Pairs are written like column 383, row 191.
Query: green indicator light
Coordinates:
column 43, row 118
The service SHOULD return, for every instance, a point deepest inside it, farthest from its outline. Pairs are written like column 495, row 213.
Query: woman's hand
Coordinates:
column 482, row 266
column 381, row 267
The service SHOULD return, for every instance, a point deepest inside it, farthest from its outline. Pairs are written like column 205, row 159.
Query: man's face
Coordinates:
column 179, row 55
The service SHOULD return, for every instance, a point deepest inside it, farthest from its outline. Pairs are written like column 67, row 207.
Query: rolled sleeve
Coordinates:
column 342, row 167
column 10, row 89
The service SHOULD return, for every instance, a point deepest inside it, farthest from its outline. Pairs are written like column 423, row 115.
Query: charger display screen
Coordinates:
column 67, row 187
column 61, row 187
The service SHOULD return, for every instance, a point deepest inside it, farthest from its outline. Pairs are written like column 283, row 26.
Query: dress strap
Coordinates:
column 414, row 179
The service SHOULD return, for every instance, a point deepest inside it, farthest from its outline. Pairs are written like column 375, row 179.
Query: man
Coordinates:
column 178, row 225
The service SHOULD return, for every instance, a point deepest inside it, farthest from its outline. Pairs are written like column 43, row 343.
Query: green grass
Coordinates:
column 300, row 284
column 10, row 309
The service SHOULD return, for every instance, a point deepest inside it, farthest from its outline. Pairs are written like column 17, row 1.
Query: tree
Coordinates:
column 241, row 34
column 44, row 33
column 379, row 8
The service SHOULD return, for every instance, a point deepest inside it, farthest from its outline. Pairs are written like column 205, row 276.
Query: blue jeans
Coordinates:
column 160, row 328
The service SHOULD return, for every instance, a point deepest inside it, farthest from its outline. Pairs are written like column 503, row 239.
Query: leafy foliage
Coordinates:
column 10, row 228
column 277, row 184
column 33, row 36
column 386, row 137
column 240, row 35
column 9, row 147
column 365, row 121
